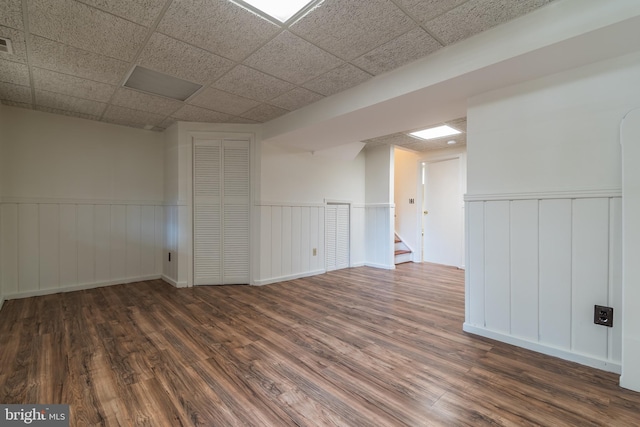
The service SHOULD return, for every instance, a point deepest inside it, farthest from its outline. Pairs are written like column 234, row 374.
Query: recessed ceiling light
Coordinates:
column 436, row 132
column 282, row 10
column 452, row 142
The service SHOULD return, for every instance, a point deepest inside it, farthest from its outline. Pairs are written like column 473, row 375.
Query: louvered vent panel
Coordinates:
column 236, row 244
column 207, row 247
column 206, row 171
column 236, row 171
column 330, row 236
column 342, row 236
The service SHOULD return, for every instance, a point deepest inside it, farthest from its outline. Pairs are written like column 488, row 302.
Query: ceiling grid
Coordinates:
column 72, row 57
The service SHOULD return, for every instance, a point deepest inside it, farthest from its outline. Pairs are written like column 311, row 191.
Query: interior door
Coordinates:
column 442, row 213
column 221, row 212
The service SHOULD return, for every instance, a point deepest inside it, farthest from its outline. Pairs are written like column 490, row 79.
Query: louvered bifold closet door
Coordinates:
column 236, row 212
column 330, row 218
column 342, row 236
column 207, row 212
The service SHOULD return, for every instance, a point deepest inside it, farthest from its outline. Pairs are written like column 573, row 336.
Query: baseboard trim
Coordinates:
column 604, row 365
column 40, row 292
column 169, row 280
column 288, row 277
column 382, row 266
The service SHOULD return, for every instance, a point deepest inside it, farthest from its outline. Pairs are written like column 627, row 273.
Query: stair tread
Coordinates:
column 402, row 251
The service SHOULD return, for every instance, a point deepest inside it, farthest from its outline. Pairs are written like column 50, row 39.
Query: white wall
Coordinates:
column 81, row 203
column 407, row 216
column 380, row 209
column 630, row 138
column 294, row 189
column 544, row 211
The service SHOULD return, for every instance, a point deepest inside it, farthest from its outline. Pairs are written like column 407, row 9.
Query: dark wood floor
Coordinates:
column 356, row 347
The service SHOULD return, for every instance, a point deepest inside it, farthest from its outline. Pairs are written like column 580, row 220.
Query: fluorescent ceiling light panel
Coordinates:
column 437, row 132
column 282, row 10
column 150, row 81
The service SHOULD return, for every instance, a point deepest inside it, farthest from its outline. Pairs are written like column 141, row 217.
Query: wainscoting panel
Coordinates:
column 28, row 248
column 554, row 240
column 52, row 247
column 170, row 267
column 85, row 244
column 524, row 268
column 288, row 235
column 9, row 241
column 379, row 236
column 497, row 267
column 475, row 286
column 536, row 269
column 590, row 270
column 69, row 262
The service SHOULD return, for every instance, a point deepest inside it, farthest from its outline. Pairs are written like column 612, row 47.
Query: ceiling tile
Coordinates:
column 17, row 43
column 70, row 60
column 14, row 72
column 176, row 58
column 59, row 101
column 337, row 80
column 86, row 28
column 144, row 102
column 349, row 28
column 143, row 12
column 400, row 51
column 296, row 98
column 425, row 10
column 459, row 124
column 11, row 15
column 191, row 113
column 292, row 59
column 214, row 99
column 252, row 84
column 398, row 138
column 67, row 113
column 218, row 26
column 71, row 85
column 264, row 113
column 476, row 16
column 128, row 117
column 15, row 93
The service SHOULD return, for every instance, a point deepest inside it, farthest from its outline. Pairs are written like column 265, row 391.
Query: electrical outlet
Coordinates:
column 603, row 315
column 315, row 252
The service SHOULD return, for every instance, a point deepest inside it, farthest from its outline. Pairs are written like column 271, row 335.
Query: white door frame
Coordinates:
column 422, row 165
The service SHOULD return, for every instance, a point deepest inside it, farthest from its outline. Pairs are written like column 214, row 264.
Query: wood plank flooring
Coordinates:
column 354, row 347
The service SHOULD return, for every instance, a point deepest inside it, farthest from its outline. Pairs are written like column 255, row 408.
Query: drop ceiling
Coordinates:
column 73, row 57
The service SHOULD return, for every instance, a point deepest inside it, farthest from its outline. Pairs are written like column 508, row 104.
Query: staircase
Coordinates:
column 402, row 251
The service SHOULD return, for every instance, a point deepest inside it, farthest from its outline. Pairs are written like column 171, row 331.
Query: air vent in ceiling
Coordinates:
column 146, row 80
column 5, row 45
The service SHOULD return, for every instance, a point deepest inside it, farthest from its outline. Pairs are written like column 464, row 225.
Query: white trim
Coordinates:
column 291, row 204
column 543, row 195
column 380, row 205
column 382, row 266
column 288, row 277
column 40, row 292
column 71, row 201
column 169, row 280
column 605, row 365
